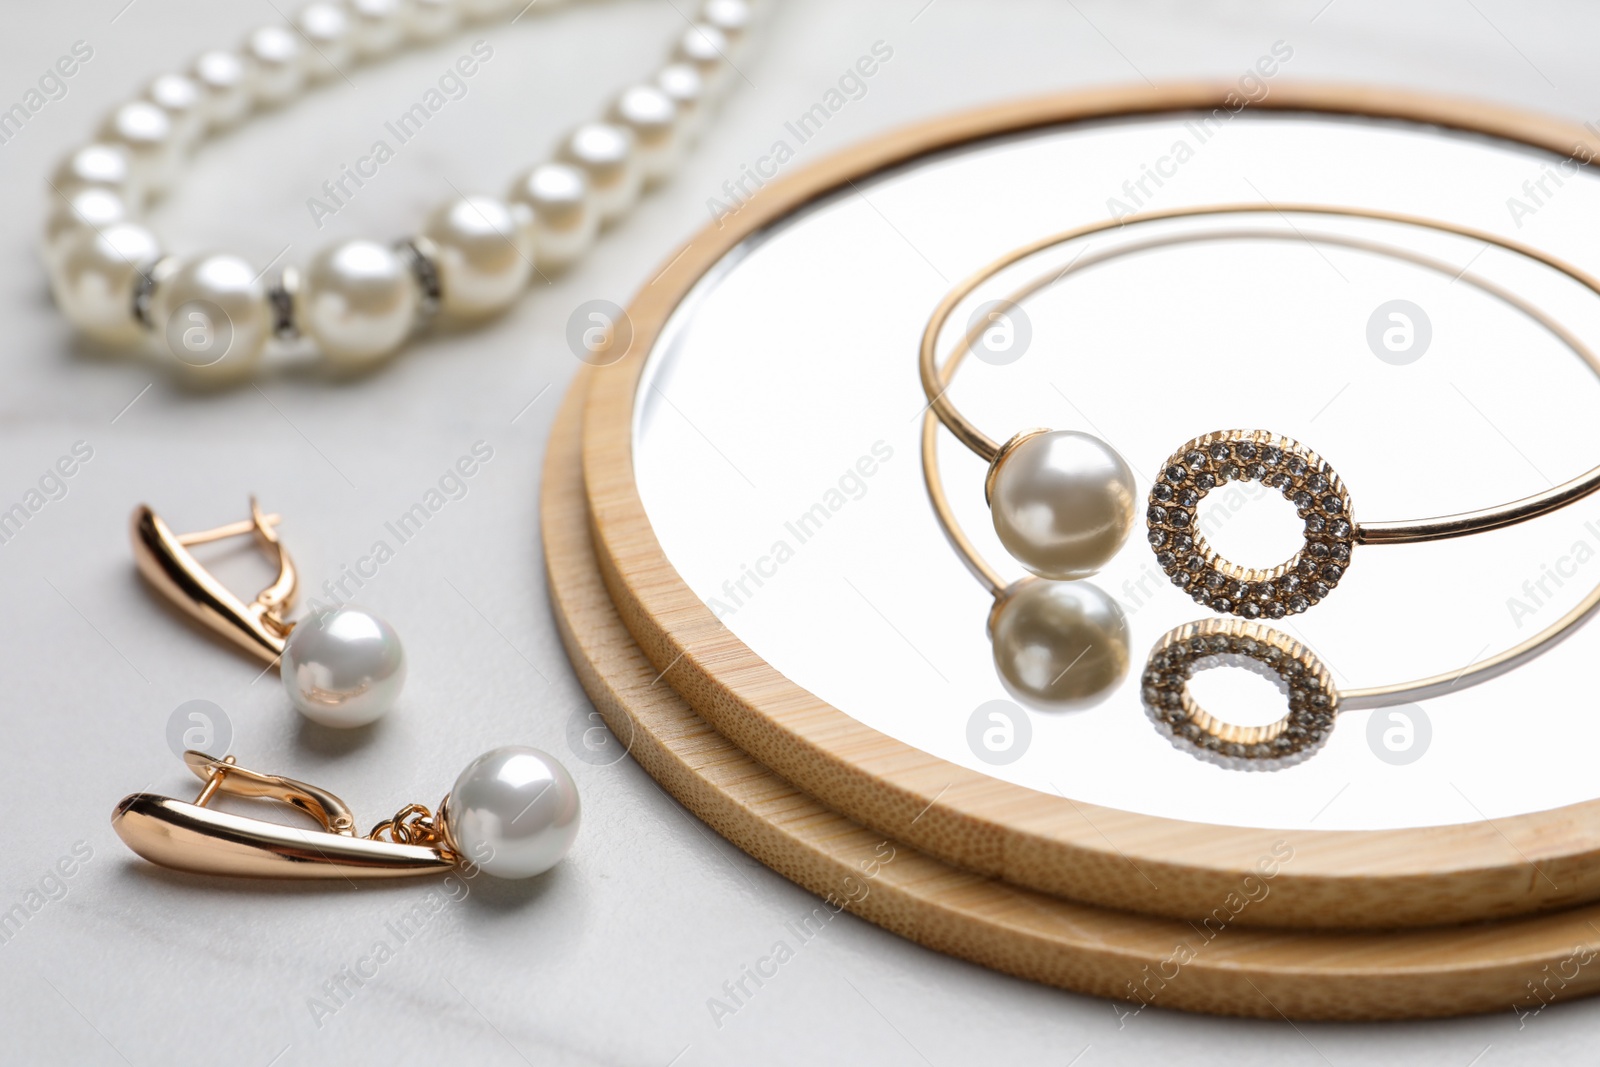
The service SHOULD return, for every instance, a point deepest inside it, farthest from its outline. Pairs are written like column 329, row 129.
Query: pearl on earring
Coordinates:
column 1063, row 502
column 513, row 812
column 343, row 667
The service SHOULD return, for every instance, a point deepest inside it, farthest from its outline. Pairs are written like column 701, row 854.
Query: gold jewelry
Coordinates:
column 1033, row 473
column 341, row 667
column 512, row 812
column 1314, row 700
column 166, row 563
column 189, row 836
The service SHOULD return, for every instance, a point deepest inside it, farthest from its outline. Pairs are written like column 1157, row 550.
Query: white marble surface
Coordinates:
column 613, row 958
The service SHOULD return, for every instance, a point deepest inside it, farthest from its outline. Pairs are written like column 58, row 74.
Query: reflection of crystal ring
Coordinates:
column 1304, row 479
column 1198, row 646
column 1063, row 501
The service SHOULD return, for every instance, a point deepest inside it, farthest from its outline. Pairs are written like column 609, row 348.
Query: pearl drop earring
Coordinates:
column 513, row 813
column 341, row 667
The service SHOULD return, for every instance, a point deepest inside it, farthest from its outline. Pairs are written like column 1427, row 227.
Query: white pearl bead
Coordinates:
column 429, row 20
column 358, row 301
column 684, row 86
column 377, row 26
column 181, row 97
column 1063, row 502
column 95, row 278
column 604, row 151
column 211, row 316
column 325, row 28
column 229, row 84
column 280, row 64
column 732, row 17
column 483, row 255
column 343, row 667
column 513, row 812
column 89, row 208
column 1059, row 645
column 552, row 201
column 146, row 131
column 705, row 48
column 99, row 165
column 652, row 118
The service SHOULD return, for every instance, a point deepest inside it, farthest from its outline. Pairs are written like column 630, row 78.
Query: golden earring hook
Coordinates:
column 194, row 837
column 165, row 561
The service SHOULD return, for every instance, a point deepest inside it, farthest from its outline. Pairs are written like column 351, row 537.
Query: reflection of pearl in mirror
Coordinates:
column 1059, row 646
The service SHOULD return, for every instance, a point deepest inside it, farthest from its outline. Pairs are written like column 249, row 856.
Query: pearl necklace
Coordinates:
column 359, row 300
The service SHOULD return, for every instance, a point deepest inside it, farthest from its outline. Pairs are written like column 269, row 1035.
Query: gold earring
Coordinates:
column 165, row 561
column 341, row 666
column 189, row 836
column 513, row 813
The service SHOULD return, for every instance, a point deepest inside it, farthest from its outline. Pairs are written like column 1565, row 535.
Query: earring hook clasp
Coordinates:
column 165, row 561
column 192, row 836
column 226, row 776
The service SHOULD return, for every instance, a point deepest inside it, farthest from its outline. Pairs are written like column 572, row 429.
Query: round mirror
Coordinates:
column 778, row 425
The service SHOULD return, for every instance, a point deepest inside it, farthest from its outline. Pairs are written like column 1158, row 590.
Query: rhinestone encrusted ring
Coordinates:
column 1198, row 646
column 1301, row 475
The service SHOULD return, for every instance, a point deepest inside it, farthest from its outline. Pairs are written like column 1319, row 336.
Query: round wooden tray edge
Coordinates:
column 1146, row 961
column 1054, row 844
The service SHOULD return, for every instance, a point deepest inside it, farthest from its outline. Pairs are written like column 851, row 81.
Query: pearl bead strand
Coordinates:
column 358, row 301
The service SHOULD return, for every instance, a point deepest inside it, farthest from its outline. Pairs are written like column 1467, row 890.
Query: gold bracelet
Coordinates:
column 1064, row 644
column 1063, row 502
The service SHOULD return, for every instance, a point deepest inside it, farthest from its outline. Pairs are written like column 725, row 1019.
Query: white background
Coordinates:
column 613, row 957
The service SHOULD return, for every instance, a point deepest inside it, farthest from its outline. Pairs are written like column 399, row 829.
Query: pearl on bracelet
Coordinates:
column 652, row 118
column 325, row 27
column 687, row 89
column 181, row 97
column 552, row 201
column 358, row 300
column 343, row 667
column 732, row 18
column 280, row 65
column 705, row 48
column 377, row 26
column 147, row 133
column 229, row 85
column 100, row 166
column 95, row 278
column 604, row 151
column 211, row 315
column 1059, row 646
column 484, row 256
column 90, row 208
column 1063, row 502
column 513, row 812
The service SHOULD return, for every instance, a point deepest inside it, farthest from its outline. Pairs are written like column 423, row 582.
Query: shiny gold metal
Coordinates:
column 194, row 837
column 936, row 386
column 1348, row 699
column 165, row 561
column 1000, row 457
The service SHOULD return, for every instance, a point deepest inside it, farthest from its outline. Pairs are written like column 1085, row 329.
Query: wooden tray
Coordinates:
column 1211, row 966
